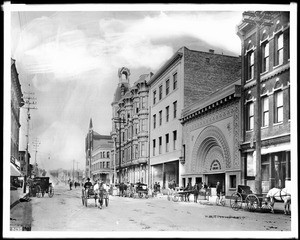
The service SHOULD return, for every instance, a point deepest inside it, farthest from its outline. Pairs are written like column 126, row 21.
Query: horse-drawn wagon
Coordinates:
column 41, row 185
column 245, row 197
column 141, row 189
column 96, row 193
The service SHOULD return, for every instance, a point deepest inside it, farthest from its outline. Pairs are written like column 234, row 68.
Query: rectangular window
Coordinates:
column 265, row 111
column 279, row 49
column 143, row 100
column 265, row 56
column 143, row 149
column 175, row 109
column 250, row 58
column 154, row 121
column 278, row 106
column 167, row 142
column 154, row 97
column 160, row 118
column 167, row 86
column 160, row 92
column 160, row 144
column 250, row 116
column 167, row 114
column 232, row 181
column 174, row 81
column 154, row 147
column 174, row 139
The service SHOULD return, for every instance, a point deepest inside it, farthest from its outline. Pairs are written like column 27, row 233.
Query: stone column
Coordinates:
column 272, row 170
column 287, row 166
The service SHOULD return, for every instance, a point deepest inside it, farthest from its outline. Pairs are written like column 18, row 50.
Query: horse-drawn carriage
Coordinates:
column 179, row 194
column 141, row 189
column 96, row 193
column 244, row 197
column 38, row 186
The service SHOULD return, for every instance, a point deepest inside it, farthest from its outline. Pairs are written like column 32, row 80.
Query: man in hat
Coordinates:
column 88, row 184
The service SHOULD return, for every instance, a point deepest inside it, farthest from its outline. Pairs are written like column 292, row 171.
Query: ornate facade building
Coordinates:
column 16, row 103
column 185, row 78
column 266, row 99
column 130, row 129
column 211, row 133
column 98, row 155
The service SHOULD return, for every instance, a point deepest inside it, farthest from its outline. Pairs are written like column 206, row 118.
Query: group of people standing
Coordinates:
column 196, row 189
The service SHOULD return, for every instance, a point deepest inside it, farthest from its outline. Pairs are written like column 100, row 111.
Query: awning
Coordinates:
column 14, row 171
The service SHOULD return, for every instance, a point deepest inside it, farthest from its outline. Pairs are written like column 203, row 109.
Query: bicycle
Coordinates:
column 220, row 200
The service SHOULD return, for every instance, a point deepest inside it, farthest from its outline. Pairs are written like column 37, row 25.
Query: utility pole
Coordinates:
column 73, row 169
column 77, row 172
column 29, row 102
column 36, row 144
column 258, row 19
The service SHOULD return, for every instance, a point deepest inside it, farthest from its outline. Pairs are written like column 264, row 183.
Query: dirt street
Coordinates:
column 65, row 212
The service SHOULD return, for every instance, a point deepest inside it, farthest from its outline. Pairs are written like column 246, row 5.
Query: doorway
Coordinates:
column 212, row 180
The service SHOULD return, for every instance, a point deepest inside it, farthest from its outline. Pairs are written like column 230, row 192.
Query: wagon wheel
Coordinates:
column 82, row 197
column 236, row 201
column 50, row 191
column 140, row 194
column 252, row 202
column 38, row 191
column 85, row 201
column 176, row 197
column 146, row 195
column 181, row 198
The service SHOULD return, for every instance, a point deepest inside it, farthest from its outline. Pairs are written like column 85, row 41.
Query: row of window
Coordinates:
column 133, row 152
column 265, row 55
column 167, row 109
column 134, row 129
column 166, row 145
column 265, row 108
column 104, row 154
column 100, row 165
column 167, row 88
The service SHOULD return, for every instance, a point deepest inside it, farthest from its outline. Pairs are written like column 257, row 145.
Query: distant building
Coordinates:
column 130, row 130
column 274, row 117
column 23, row 162
column 98, row 155
column 185, row 78
column 16, row 103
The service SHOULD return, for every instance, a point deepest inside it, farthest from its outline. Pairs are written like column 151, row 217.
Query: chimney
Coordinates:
column 212, row 51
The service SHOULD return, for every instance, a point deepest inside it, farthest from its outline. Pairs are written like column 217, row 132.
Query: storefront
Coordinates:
column 165, row 173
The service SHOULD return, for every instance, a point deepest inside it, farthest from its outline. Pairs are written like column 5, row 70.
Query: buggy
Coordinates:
column 89, row 193
column 41, row 185
column 141, row 189
column 245, row 196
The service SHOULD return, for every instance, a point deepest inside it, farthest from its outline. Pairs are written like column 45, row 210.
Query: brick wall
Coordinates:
column 206, row 72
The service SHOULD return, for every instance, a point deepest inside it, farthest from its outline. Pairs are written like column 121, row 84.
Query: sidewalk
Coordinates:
column 21, row 217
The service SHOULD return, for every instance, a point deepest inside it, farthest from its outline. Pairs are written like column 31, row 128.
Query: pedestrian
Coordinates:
column 196, row 192
column 188, row 189
column 205, row 189
column 158, row 187
column 71, row 184
column 218, row 189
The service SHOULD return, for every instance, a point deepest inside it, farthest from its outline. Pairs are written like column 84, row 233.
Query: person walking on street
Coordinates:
column 196, row 192
column 71, row 184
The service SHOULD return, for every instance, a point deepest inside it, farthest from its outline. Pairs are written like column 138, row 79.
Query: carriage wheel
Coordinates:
column 236, row 201
column 106, row 201
column 252, row 202
column 85, row 201
column 140, row 194
column 38, row 191
column 181, row 198
column 82, row 197
column 51, row 192
column 175, row 198
column 146, row 195
column 222, row 200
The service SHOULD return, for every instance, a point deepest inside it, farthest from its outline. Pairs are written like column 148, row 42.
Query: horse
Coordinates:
column 279, row 195
column 99, row 190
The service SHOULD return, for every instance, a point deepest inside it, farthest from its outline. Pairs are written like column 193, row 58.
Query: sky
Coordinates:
column 70, row 60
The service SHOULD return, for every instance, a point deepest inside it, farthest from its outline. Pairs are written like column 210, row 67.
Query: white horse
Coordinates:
column 280, row 195
column 99, row 189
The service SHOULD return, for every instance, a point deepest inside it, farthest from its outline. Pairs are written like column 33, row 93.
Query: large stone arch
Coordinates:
column 210, row 145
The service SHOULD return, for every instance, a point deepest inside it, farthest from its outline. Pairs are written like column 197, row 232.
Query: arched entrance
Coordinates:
column 211, row 156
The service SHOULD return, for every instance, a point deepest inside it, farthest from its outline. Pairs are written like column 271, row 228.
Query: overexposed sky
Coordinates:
column 70, row 60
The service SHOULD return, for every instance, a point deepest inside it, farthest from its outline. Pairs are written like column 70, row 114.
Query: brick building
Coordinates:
column 130, row 131
column 184, row 79
column 16, row 103
column 265, row 99
column 98, row 155
column 211, row 134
